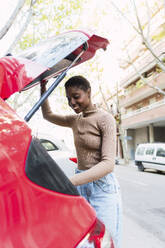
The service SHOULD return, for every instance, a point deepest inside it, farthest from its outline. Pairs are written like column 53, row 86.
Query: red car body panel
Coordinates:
column 16, row 73
column 30, row 214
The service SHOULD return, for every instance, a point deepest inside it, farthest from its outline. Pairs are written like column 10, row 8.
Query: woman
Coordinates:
column 94, row 133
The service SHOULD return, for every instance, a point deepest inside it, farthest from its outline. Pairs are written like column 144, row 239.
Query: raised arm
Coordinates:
column 108, row 152
column 61, row 120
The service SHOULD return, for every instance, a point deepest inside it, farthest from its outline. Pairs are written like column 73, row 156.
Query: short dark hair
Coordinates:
column 79, row 82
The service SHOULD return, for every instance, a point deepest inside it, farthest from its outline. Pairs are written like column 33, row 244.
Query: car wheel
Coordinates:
column 140, row 167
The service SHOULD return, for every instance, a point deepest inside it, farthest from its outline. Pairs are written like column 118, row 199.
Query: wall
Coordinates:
column 141, row 136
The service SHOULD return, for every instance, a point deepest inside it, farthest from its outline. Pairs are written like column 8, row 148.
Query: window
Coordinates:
column 160, row 152
column 48, row 145
column 140, row 150
column 150, row 151
column 44, row 171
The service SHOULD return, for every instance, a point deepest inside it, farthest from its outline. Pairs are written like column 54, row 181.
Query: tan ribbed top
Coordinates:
column 94, row 136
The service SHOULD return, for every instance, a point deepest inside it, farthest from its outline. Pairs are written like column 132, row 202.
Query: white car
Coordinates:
column 150, row 156
column 57, row 149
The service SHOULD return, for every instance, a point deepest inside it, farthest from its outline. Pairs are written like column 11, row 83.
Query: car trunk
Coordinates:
column 46, row 60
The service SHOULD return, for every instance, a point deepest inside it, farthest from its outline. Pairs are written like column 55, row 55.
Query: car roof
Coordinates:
column 151, row 144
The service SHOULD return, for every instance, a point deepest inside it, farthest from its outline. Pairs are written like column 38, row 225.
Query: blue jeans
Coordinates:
column 104, row 196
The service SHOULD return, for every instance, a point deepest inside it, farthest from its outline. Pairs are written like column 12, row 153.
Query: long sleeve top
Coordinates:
column 94, row 137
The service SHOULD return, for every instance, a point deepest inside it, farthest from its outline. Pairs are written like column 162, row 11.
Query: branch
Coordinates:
column 124, row 16
column 137, row 18
column 17, row 103
column 143, row 79
column 149, row 20
column 140, row 32
column 13, row 16
column 23, row 29
column 104, row 99
column 145, row 41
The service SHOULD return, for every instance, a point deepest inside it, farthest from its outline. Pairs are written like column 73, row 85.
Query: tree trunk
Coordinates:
column 119, row 128
column 124, row 147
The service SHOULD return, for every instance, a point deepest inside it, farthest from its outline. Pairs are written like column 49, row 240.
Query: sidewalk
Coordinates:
column 131, row 162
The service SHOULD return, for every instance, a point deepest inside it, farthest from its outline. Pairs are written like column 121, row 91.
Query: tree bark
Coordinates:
column 119, row 127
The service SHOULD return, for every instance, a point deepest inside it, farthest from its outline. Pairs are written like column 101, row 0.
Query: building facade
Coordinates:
column 142, row 105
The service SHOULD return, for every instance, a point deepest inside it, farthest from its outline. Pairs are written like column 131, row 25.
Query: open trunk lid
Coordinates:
column 47, row 59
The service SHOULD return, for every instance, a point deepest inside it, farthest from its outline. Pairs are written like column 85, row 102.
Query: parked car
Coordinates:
column 39, row 206
column 60, row 153
column 117, row 161
column 150, row 156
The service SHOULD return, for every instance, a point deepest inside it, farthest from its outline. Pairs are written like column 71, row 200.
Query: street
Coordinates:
column 143, row 207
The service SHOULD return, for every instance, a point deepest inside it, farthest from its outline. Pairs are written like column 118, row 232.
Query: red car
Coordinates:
column 39, row 207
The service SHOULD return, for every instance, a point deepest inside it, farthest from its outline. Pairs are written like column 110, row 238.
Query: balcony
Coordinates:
column 143, row 64
column 137, row 95
column 144, row 116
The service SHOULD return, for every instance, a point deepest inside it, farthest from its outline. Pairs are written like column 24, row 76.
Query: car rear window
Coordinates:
column 49, row 146
column 43, row 170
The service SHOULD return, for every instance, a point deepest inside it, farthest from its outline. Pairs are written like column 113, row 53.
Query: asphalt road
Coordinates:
column 143, row 195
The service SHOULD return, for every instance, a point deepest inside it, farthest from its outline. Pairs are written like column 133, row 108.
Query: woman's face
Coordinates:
column 78, row 99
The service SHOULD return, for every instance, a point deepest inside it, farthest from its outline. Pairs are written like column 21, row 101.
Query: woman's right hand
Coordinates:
column 43, row 84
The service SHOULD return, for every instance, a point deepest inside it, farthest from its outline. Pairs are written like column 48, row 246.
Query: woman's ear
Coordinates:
column 89, row 92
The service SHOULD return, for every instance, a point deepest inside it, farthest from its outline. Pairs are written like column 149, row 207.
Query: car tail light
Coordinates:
column 97, row 237
column 73, row 160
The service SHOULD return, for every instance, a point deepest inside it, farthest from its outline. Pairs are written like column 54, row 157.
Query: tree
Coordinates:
column 140, row 30
column 143, row 79
column 145, row 41
column 50, row 18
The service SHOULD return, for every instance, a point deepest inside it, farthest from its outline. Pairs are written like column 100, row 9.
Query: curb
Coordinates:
column 130, row 163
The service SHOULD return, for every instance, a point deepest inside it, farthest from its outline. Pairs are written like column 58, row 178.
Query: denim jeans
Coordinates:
column 104, row 196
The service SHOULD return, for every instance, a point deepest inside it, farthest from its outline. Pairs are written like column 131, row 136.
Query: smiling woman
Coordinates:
column 94, row 133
